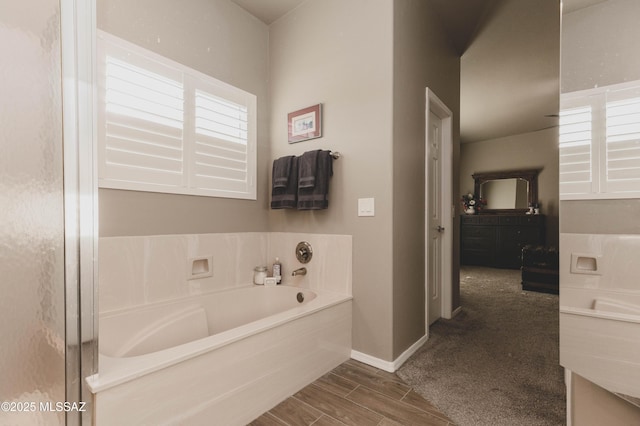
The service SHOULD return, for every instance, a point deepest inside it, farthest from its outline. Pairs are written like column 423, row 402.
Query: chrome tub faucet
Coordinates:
column 299, row 271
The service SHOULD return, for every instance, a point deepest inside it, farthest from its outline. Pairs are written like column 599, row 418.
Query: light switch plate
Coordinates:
column 366, row 207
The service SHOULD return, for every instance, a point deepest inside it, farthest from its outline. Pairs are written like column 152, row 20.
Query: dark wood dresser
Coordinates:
column 497, row 240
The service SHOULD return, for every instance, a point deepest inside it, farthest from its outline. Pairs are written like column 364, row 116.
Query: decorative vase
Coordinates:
column 470, row 210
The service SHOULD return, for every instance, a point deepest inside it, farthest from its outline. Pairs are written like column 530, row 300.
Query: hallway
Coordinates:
column 497, row 361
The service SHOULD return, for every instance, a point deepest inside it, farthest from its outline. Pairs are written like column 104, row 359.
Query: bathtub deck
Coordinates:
column 355, row 393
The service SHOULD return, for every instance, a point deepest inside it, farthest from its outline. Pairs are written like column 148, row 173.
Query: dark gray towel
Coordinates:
column 307, row 169
column 281, row 170
column 286, row 198
column 317, row 198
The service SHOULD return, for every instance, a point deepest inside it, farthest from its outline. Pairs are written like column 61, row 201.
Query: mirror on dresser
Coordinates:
column 507, row 192
column 495, row 237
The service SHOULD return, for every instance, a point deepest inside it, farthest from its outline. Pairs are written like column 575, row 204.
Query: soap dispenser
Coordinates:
column 277, row 271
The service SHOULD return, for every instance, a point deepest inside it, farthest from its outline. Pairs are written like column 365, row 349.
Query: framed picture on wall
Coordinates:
column 305, row 124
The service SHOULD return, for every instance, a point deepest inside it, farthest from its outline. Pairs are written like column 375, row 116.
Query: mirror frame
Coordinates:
column 530, row 175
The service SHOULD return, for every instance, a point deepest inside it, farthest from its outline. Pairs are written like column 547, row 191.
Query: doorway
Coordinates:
column 438, row 209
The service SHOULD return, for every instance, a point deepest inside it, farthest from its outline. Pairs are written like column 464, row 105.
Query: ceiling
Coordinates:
column 268, row 11
column 510, row 59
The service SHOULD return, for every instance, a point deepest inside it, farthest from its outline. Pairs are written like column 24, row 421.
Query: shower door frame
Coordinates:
column 77, row 32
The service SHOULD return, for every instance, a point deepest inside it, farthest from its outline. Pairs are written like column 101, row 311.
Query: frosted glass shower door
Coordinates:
column 32, row 301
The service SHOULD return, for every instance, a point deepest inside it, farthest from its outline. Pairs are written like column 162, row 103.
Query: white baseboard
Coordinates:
column 373, row 361
column 390, row 366
column 568, row 381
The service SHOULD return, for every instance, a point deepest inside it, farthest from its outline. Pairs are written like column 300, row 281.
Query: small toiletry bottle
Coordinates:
column 277, row 270
column 259, row 274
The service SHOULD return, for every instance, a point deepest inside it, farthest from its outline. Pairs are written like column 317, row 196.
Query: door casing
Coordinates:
column 437, row 107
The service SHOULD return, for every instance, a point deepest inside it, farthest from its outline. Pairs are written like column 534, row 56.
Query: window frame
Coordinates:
column 190, row 182
column 597, row 99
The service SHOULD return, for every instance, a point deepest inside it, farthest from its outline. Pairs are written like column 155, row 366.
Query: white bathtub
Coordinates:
column 221, row 358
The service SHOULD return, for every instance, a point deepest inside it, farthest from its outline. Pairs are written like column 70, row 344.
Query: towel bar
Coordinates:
column 335, row 155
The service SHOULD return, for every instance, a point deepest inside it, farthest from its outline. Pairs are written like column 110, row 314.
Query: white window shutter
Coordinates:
column 576, row 148
column 140, row 115
column 224, row 136
column 600, row 143
column 164, row 127
column 623, row 141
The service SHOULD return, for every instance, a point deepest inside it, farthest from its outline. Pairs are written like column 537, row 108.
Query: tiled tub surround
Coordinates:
column 600, row 309
column 229, row 377
column 136, row 271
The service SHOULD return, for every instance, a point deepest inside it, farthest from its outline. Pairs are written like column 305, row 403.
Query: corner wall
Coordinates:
column 339, row 53
column 215, row 37
column 422, row 57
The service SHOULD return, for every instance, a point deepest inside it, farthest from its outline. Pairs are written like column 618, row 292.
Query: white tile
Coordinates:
column 329, row 268
column 339, row 273
column 165, row 267
column 283, row 245
column 616, row 257
column 139, row 270
column 599, row 324
column 251, row 251
column 120, row 272
column 223, row 248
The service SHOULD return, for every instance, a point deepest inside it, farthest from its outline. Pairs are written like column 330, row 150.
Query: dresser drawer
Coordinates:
column 469, row 220
column 497, row 240
column 509, row 220
column 488, row 220
column 479, row 220
column 479, row 232
column 519, row 234
column 531, row 220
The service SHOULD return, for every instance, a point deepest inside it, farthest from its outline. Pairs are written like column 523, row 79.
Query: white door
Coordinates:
column 438, row 212
column 435, row 229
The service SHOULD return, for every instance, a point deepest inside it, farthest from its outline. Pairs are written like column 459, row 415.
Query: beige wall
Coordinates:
column 491, row 70
column 599, row 47
column 422, row 58
column 339, row 53
column 220, row 39
column 526, row 151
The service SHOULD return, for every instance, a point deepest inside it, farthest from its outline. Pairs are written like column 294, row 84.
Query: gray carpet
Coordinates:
column 496, row 362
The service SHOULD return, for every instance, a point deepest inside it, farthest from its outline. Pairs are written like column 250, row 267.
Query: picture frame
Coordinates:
column 305, row 124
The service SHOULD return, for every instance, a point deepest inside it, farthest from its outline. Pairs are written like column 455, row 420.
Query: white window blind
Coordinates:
column 575, row 150
column 168, row 128
column 623, row 141
column 220, row 153
column 600, row 143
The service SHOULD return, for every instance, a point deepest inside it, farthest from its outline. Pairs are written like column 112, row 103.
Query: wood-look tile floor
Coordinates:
column 354, row 394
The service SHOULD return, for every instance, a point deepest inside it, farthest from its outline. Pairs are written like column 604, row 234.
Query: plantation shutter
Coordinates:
column 141, row 109
column 623, row 141
column 221, row 157
column 576, row 149
column 600, row 143
column 164, row 127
